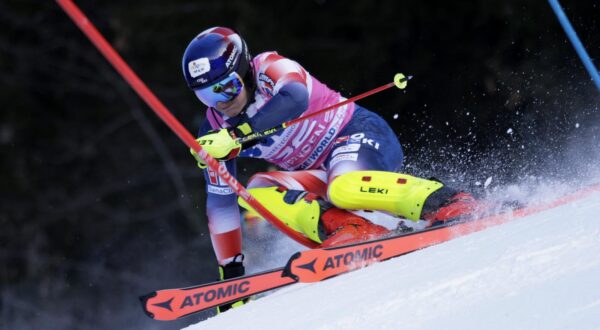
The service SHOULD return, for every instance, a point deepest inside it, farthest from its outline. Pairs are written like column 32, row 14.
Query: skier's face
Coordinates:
column 234, row 107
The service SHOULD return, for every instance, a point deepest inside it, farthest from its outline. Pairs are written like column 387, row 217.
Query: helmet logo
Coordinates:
column 199, row 67
column 231, row 57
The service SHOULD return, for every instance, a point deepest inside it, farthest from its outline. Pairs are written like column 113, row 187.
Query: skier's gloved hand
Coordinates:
column 231, row 270
column 221, row 145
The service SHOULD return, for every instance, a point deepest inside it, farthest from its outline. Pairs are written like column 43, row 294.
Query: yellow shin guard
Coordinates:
column 396, row 193
column 302, row 216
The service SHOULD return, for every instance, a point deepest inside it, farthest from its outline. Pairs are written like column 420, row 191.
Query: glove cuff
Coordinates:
column 241, row 130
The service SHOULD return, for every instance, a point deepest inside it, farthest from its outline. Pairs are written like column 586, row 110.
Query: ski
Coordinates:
column 306, row 266
column 320, row 264
column 171, row 304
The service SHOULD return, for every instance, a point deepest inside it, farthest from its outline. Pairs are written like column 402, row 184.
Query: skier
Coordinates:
column 343, row 159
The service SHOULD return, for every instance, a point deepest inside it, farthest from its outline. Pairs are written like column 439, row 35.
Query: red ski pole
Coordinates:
column 167, row 117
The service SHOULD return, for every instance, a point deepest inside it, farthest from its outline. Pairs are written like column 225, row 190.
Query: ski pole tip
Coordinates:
column 400, row 80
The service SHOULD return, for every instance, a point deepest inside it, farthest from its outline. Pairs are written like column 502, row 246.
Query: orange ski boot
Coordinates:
column 343, row 227
column 460, row 206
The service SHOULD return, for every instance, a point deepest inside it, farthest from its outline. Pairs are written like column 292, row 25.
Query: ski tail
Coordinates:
column 171, row 304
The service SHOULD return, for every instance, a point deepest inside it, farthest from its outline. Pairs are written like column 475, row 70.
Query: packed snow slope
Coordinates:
column 537, row 272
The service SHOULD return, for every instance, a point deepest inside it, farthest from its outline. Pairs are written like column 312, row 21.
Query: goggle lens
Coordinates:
column 223, row 91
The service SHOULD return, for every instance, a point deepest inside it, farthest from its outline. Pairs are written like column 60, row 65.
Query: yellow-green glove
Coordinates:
column 221, row 145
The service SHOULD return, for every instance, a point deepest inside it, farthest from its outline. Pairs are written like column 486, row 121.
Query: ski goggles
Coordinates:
column 223, row 91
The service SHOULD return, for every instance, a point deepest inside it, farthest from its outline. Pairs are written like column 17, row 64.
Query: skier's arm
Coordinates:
column 290, row 102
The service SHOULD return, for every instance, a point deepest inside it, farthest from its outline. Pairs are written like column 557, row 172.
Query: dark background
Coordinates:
column 101, row 202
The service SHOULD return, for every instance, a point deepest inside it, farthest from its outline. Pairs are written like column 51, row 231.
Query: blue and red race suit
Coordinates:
column 346, row 139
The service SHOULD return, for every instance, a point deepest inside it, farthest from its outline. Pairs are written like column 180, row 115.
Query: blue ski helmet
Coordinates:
column 213, row 55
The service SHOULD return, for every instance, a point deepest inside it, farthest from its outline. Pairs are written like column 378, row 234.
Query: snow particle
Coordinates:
column 487, row 182
column 395, row 116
